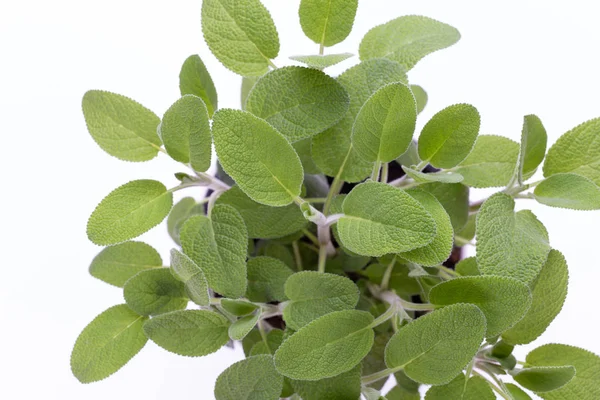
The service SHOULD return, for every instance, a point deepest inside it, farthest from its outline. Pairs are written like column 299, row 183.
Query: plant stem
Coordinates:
column 321, row 49
column 322, row 258
column 297, row 255
column 449, row 271
column 310, row 236
column 272, row 65
column 263, row 334
column 385, row 281
column 367, row 380
column 385, row 168
column 375, row 173
column 389, row 313
column 410, row 306
column 398, row 182
column 334, row 189
column 494, row 387
column 315, row 199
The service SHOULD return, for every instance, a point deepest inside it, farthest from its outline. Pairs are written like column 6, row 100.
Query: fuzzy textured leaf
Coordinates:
column 254, row 378
column 344, row 386
column 516, row 392
column 407, row 39
column 533, row 147
column 380, row 219
column 420, row 97
column 241, row 34
column 154, row 292
column 238, row 308
column 328, row 346
column 266, row 279
column 455, row 199
column 191, row 333
column 442, row 176
column 181, row 211
column 327, row 22
column 436, row 347
column 107, row 344
column 476, row 388
column 195, row 79
column 322, row 61
column 116, row 264
column 218, row 245
column 186, row 270
column 567, row 190
column 260, row 160
column 508, row 243
column 468, row 267
column 240, row 328
column 128, row 211
column 122, row 127
column 544, row 379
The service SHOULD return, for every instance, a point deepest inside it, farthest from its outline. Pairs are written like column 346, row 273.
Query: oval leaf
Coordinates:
column 322, row 61
column 128, row 211
column 250, row 379
column 455, row 199
column 476, row 388
column 568, row 191
column 186, row 270
column 340, row 387
column 238, row 308
column 154, row 292
column 260, row 160
column 180, row 212
column 266, row 279
column 240, row 328
column 533, row 147
column 195, row 79
column 544, row 379
column 327, row 22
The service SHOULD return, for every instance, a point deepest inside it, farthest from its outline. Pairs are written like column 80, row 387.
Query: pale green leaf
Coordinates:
column 128, row 211
column 155, row 291
column 385, row 124
column 122, row 127
column 248, row 83
column 186, row 270
column 467, row 232
column 116, row 264
column 371, row 394
column 327, row 22
column 586, row 383
column 260, row 160
column 410, row 156
column 264, row 221
column 180, row 212
column 544, row 379
column 567, row 190
column 508, row 243
column 502, row 300
column 266, row 279
column 313, row 294
column 195, row 79
column 441, row 176
column 191, row 333
column 219, row 245
column 448, row 137
column 254, row 378
column 107, row 344
column 399, row 393
column 420, row 97
column 322, row 61
column 549, row 292
column 492, row 162
column 241, row 34
column 332, row 150
column 299, row 102
column 577, row 151
column 380, row 219
column 455, row 199
column 533, row 147
column 238, row 308
column 468, row 267
column 304, row 151
column 476, row 388
column 185, row 131
column 328, row 346
column 439, row 249
column 435, row 348
column 274, row 340
column 516, row 392
column 240, row 328
column 344, row 386
column 407, row 39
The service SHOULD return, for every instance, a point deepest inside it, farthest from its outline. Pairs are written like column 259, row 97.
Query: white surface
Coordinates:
column 515, row 58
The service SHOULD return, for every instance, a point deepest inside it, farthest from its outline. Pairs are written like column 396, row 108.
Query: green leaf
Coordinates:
column 435, row 348
column 420, row 97
column 191, row 333
column 155, row 291
column 327, row 22
column 491, row 163
column 455, row 199
column 195, row 79
column 254, row 378
column 502, row 300
column 241, row 34
column 240, row 328
column 264, row 221
column 185, row 131
column 374, row 361
column 128, row 211
column 549, row 292
column 322, row 61
column 407, row 39
column 576, row 151
column 304, row 151
column 260, row 160
column 219, row 245
column 533, row 147
column 107, row 344
column 516, row 392
column 475, row 388
column 238, row 308
column 313, row 294
column 340, row 387
column 586, row 383
column 252, row 339
column 274, row 340
column 468, row 267
column 332, row 150
column 385, row 124
column 328, row 346
column 266, row 279
column 180, row 212
column 122, row 127
column 248, row 83
column 186, row 270
column 279, row 251
column 404, row 285
column 508, row 243
column 448, row 137
column 299, row 102
column 467, row 232
column 544, row 379
column 567, row 190
column 380, row 219
column 116, row 264
column 399, row 393
column 441, row 176
column 439, row 249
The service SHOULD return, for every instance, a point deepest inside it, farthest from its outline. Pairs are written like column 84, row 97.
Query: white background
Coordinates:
column 515, row 58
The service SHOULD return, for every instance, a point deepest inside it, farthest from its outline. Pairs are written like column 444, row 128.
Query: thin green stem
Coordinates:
column 494, row 387
column 449, row 271
column 297, row 255
column 420, row 166
column 322, row 257
column 310, row 236
column 375, row 172
column 271, row 64
column 334, row 190
column 377, row 376
column 410, row 306
column 321, row 49
column 385, row 281
column 315, row 199
column 263, row 334
column 385, row 170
